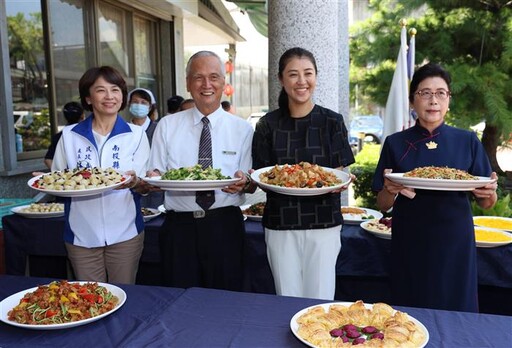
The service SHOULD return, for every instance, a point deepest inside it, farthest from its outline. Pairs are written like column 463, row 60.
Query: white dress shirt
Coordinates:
column 176, row 144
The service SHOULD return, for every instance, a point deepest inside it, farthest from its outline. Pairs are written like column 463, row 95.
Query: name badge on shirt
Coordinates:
column 232, row 153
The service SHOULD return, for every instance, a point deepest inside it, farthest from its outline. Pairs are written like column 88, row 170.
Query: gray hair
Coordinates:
column 205, row 54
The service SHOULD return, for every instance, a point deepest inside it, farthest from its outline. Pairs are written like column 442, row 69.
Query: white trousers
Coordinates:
column 303, row 262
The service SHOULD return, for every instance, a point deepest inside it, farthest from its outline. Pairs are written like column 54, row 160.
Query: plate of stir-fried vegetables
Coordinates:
column 440, row 179
column 301, row 179
column 193, row 178
column 61, row 304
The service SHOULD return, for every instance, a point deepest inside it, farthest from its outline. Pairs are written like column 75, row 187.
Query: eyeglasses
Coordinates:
column 440, row 94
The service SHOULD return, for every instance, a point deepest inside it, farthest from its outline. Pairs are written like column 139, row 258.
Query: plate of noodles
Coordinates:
column 76, row 304
column 440, row 179
column 302, row 179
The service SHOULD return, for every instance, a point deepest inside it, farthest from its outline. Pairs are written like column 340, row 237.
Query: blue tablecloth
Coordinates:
column 362, row 255
column 167, row 317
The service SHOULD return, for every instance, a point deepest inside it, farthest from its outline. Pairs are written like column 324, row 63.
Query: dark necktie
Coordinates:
column 205, row 199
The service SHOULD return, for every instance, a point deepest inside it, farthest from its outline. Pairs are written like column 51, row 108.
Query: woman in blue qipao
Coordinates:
column 433, row 261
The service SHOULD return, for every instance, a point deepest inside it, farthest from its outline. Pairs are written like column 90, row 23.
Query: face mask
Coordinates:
column 139, row 110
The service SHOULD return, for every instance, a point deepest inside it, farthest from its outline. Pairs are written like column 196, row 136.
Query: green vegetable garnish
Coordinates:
column 194, row 173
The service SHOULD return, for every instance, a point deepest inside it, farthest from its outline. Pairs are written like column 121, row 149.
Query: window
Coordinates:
column 28, row 77
column 69, row 51
column 113, row 38
column 144, row 32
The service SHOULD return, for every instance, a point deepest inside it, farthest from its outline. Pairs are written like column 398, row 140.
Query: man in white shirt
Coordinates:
column 203, row 247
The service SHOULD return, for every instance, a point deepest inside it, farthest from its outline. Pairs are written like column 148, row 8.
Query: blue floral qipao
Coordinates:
column 433, row 262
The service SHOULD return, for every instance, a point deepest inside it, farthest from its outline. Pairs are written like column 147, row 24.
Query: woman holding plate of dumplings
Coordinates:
column 433, row 251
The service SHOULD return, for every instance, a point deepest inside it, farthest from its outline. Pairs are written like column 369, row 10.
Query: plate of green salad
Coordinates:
column 193, row 178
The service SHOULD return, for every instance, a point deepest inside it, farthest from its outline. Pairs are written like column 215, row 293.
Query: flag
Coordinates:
column 396, row 115
column 411, row 58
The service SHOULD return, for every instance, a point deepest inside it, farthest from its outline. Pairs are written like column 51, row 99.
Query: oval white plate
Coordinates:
column 356, row 219
column 294, row 326
column 376, row 233
column 439, row 184
column 155, row 212
column 189, row 185
column 250, row 217
column 477, row 220
column 33, row 215
column 12, row 301
column 78, row 193
column 295, row 191
column 485, row 244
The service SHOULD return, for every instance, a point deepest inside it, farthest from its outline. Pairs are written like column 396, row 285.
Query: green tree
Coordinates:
column 471, row 38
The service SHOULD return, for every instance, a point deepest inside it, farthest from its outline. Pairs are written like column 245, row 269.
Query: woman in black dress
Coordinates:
column 433, row 245
column 302, row 233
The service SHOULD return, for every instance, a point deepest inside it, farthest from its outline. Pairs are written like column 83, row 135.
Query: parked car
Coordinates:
column 254, row 118
column 372, row 127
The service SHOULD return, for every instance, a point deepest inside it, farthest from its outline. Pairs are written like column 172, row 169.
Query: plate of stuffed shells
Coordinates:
column 78, row 182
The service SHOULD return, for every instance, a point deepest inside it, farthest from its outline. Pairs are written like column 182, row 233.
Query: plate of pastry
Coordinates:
column 39, row 210
column 337, row 324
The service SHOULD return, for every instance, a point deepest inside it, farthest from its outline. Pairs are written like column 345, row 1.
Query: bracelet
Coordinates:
column 248, row 182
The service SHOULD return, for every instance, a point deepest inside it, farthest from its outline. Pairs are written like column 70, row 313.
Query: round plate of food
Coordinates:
column 356, row 215
column 189, row 185
column 150, row 213
column 78, row 182
column 498, row 222
column 253, row 211
column 39, row 210
column 378, row 227
column 303, row 179
column 439, row 178
column 491, row 238
column 377, row 321
column 89, row 302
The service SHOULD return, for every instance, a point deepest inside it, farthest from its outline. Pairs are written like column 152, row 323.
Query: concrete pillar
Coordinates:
column 320, row 26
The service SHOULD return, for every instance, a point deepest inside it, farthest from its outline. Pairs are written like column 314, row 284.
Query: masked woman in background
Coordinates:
column 142, row 105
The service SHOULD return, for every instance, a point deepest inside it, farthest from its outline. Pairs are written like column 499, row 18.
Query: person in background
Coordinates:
column 187, row 104
column 302, row 233
column 73, row 113
column 202, row 245
column 104, row 233
column 226, row 105
column 433, row 252
column 173, row 104
column 142, row 103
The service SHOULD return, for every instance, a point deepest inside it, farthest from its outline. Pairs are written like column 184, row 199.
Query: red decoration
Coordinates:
column 228, row 90
column 229, row 67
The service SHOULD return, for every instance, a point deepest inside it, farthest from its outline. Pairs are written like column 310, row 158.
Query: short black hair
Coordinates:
column 73, row 112
column 226, row 105
column 174, row 103
column 424, row 72
column 110, row 74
